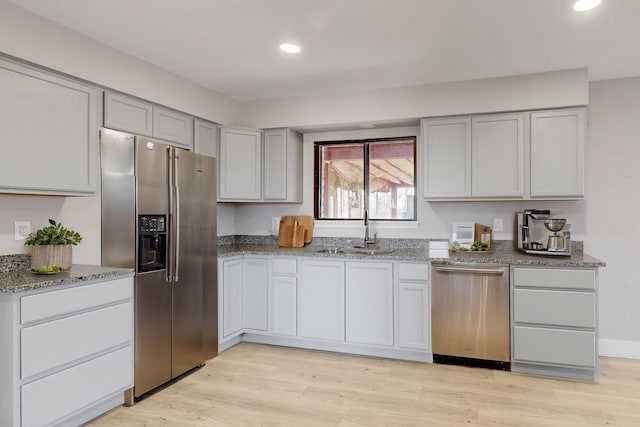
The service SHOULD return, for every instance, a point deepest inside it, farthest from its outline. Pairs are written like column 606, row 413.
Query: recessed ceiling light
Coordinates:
column 584, row 5
column 290, row 48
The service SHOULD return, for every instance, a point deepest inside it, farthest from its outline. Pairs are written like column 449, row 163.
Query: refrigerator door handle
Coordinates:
column 177, row 208
column 170, row 219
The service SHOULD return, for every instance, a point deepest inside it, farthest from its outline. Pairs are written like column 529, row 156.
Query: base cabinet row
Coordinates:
column 320, row 301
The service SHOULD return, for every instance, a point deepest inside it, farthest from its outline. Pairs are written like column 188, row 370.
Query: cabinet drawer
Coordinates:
column 54, row 397
column 72, row 338
column 554, row 278
column 554, row 308
column 408, row 271
column 283, row 266
column 57, row 303
column 555, row 346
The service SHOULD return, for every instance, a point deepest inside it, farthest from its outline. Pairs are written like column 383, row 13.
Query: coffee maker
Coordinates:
column 540, row 234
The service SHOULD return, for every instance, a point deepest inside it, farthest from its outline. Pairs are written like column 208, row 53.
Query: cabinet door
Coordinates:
column 173, row 126
column 240, row 165
column 369, row 303
column 205, row 139
column 128, row 114
column 497, row 152
column 275, row 164
column 231, row 297
column 254, row 294
column 446, row 155
column 413, row 316
column 321, row 300
column 50, row 125
column 558, row 153
column 283, row 305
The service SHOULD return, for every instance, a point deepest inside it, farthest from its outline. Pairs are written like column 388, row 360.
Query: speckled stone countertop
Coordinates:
column 502, row 254
column 22, row 280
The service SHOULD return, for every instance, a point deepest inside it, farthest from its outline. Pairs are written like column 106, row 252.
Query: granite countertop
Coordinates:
column 497, row 256
column 23, row 280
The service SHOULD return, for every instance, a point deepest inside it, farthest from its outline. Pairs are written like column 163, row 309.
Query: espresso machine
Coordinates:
column 540, row 234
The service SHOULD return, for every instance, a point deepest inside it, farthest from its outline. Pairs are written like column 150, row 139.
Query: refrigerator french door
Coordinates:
column 168, row 194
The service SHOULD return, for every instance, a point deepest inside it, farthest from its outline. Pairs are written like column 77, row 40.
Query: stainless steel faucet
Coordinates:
column 367, row 240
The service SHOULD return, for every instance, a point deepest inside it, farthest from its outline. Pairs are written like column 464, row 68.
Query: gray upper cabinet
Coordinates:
column 505, row 156
column 256, row 166
column 446, row 154
column 497, row 156
column 282, row 166
column 128, row 114
column 49, row 132
column 205, row 138
column 133, row 115
column 558, row 153
column 240, row 165
column 172, row 126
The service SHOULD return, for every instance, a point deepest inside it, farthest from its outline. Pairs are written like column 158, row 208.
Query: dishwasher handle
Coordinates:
column 472, row 270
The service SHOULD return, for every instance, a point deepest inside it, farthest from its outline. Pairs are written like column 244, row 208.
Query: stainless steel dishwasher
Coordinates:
column 470, row 314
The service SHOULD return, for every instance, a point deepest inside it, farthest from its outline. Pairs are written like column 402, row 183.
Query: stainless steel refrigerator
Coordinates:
column 159, row 217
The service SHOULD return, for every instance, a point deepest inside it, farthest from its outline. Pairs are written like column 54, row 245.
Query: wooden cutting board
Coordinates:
column 295, row 231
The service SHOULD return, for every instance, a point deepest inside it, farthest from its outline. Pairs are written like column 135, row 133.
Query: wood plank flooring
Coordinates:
column 254, row 384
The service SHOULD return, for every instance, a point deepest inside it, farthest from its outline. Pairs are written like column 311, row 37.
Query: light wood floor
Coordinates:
column 263, row 385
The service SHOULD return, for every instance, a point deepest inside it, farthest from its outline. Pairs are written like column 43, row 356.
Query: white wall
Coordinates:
column 32, row 38
column 516, row 93
column 612, row 209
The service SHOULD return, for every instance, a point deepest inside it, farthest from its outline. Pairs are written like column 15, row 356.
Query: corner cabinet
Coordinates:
column 140, row 117
column 260, row 166
column 558, row 153
column 242, row 296
column 66, row 355
column 554, row 318
column 50, row 124
column 205, row 138
column 505, row 156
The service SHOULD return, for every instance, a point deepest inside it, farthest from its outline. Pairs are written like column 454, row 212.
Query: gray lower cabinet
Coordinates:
column 554, row 318
column 242, row 296
column 51, row 124
column 66, row 355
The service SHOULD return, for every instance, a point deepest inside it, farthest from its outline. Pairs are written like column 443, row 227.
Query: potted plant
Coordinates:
column 51, row 248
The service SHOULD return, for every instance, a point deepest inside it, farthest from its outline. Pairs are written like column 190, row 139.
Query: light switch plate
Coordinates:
column 497, row 224
column 21, row 229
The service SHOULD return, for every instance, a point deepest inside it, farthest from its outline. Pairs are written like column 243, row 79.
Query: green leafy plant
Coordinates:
column 54, row 234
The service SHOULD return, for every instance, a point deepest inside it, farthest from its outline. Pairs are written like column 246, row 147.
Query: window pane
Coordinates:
column 392, row 180
column 342, row 181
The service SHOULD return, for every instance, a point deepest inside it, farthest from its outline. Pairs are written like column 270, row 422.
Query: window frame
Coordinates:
column 317, row 194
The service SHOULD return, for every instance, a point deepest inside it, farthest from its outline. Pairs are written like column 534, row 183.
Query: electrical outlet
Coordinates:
column 497, row 224
column 21, row 229
column 275, row 226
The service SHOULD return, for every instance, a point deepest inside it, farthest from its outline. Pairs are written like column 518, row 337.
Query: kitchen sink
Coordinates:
column 330, row 251
column 370, row 251
column 355, row 250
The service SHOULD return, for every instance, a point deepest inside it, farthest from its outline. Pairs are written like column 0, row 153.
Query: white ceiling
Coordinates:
column 231, row 46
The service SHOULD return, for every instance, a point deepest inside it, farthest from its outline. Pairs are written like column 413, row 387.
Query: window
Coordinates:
column 374, row 174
